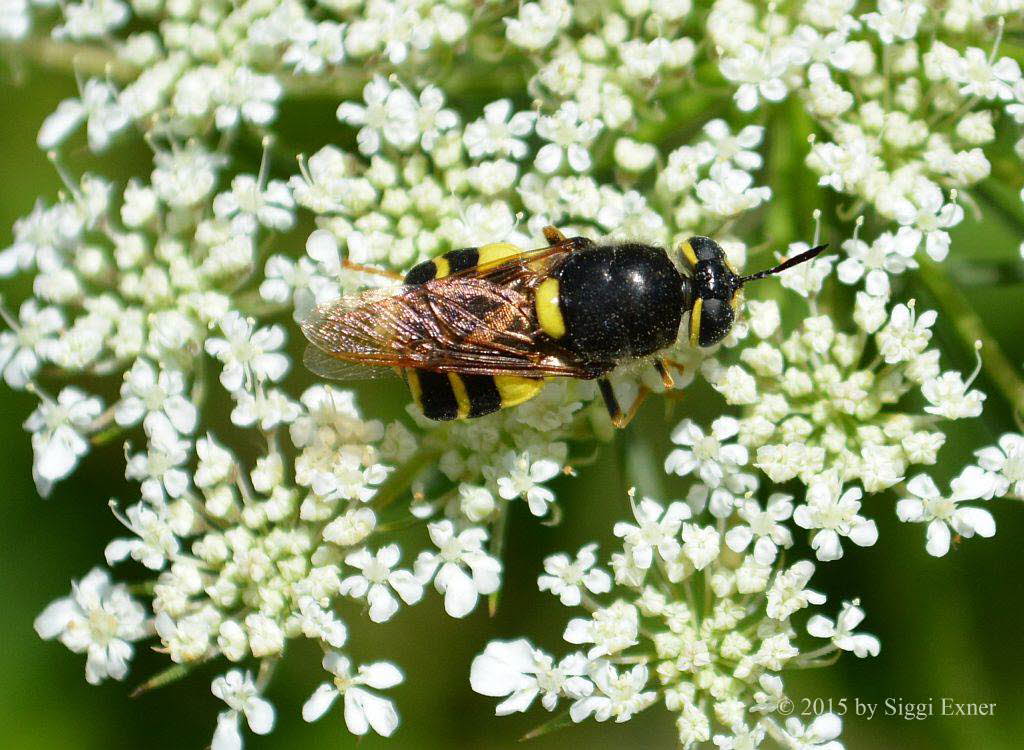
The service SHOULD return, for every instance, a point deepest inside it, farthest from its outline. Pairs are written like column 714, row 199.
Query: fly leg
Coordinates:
column 620, row 419
column 553, row 236
column 349, row 266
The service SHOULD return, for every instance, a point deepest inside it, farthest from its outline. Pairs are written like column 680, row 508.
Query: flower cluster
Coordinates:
column 712, row 656
column 163, row 306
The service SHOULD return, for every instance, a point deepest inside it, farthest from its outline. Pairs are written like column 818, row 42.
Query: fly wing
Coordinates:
column 454, row 324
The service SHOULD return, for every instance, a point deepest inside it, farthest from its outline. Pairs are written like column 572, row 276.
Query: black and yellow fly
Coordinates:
column 480, row 329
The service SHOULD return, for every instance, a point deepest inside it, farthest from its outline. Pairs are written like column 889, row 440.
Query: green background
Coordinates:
column 950, row 628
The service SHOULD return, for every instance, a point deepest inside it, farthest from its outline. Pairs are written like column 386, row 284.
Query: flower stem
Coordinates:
column 970, row 328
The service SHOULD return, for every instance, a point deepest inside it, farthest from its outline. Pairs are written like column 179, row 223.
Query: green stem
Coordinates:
column 970, row 327
column 403, row 476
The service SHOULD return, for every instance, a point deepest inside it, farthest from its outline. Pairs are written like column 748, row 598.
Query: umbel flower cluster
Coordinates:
column 160, row 295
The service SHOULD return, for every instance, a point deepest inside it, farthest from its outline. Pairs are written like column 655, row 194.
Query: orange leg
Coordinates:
column 661, row 365
column 553, row 236
column 620, row 419
column 349, row 266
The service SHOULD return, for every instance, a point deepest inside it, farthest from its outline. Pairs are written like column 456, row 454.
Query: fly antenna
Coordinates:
column 796, row 260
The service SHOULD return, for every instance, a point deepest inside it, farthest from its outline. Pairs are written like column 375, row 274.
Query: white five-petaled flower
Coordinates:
column 457, row 554
column 706, row 455
column 516, row 671
column 567, row 578
column 758, row 73
column 889, row 255
column 364, row 710
column 820, row 734
column 496, row 133
column 154, row 543
column 246, row 350
column 57, row 429
column 23, row 349
column 657, row 529
column 524, row 477
column 156, row 398
column 832, row 514
column 100, row 619
column 788, row 593
column 249, row 204
column 906, row 335
column 763, row 527
column 611, row 629
column 377, row 580
column 616, row 694
column 1005, row 463
column 942, row 514
column 238, row 690
column 98, row 106
column 569, row 137
column 841, row 632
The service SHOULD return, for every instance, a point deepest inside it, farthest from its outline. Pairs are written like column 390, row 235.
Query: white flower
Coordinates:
column 737, row 148
column 567, row 578
column 728, row 191
column 616, row 694
column 820, row 734
column 186, row 175
column 611, row 629
column 757, row 73
column 906, row 335
column 523, row 479
column 98, row 106
column 160, row 467
column 787, row 593
column 706, row 455
column 377, row 580
column 833, row 514
column 158, row 399
column 389, row 114
column 57, row 429
column 457, row 554
column 22, row 350
column 841, row 631
column 238, row 690
column 517, row 670
column 364, row 710
column 498, row 134
column 896, row 19
column 100, row 619
column 1005, row 463
column 656, row 529
column 929, row 218
column 245, row 350
column 943, row 513
column 249, row 203
column 888, row 255
column 948, row 396
column 155, row 541
column 978, row 76
column 763, row 525
column 570, row 135
column 243, row 94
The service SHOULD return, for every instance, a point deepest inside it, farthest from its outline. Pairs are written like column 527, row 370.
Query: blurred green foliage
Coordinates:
column 950, row 628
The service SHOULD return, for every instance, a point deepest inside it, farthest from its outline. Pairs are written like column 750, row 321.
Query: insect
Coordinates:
column 480, row 329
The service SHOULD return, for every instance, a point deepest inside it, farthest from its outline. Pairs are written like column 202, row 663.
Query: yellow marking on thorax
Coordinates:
column 413, row 379
column 549, row 314
column 494, row 252
column 695, row 323
column 461, row 396
column 687, row 250
column 515, row 390
column 441, row 264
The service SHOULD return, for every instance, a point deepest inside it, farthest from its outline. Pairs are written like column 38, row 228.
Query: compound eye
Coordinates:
column 710, row 321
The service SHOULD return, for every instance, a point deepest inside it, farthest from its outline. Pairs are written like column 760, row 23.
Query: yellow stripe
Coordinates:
column 413, row 379
column 441, row 264
column 494, row 252
column 515, row 390
column 549, row 315
column 687, row 250
column 737, row 301
column 695, row 322
column 461, row 397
